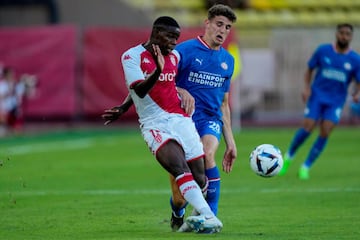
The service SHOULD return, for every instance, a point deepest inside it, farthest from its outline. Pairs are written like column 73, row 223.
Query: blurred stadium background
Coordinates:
column 74, row 46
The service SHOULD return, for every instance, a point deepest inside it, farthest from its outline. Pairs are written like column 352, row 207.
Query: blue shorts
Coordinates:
column 316, row 110
column 212, row 127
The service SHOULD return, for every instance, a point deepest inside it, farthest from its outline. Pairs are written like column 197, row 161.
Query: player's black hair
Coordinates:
column 221, row 10
column 166, row 21
column 348, row 25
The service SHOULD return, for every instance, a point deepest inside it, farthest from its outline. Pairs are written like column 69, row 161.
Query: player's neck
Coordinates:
column 340, row 49
column 148, row 46
column 207, row 41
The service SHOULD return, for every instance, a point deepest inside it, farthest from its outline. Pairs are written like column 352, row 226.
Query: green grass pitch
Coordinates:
column 105, row 184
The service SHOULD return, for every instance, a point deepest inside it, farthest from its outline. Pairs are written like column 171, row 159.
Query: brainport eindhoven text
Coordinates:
column 205, row 78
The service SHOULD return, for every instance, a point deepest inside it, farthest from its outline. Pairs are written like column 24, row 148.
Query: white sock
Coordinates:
column 192, row 193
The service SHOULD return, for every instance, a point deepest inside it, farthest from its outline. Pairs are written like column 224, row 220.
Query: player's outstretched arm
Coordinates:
column 114, row 113
column 231, row 150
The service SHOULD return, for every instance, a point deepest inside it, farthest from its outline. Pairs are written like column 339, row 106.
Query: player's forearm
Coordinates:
column 142, row 88
column 308, row 78
column 227, row 129
column 356, row 93
column 128, row 102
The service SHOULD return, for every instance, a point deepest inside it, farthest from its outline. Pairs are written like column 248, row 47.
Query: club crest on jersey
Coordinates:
column 347, row 66
column 224, row 66
column 173, row 60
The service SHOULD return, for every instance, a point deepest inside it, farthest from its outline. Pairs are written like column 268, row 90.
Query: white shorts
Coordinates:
column 176, row 127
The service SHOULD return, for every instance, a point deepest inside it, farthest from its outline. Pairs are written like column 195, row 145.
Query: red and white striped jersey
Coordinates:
column 163, row 98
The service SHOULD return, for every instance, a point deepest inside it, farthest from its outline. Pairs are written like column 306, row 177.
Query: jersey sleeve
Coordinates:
column 231, row 72
column 314, row 59
column 132, row 69
column 357, row 70
column 179, row 52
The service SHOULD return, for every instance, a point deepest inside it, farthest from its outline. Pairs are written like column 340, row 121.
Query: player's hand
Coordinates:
column 187, row 101
column 160, row 61
column 112, row 114
column 229, row 159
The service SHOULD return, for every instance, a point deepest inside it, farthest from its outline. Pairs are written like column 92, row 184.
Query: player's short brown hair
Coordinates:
column 221, row 10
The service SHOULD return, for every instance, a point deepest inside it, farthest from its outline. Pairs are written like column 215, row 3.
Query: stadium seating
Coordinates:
column 261, row 14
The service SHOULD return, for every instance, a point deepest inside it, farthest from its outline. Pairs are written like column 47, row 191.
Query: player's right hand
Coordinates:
column 112, row 114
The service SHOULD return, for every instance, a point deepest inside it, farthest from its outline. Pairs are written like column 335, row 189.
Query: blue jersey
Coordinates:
column 206, row 74
column 335, row 72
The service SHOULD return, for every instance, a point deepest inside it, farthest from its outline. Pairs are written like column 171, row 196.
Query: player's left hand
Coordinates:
column 112, row 114
column 229, row 159
column 187, row 101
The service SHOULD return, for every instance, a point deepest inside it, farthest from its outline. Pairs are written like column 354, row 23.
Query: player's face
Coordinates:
column 344, row 37
column 167, row 38
column 216, row 30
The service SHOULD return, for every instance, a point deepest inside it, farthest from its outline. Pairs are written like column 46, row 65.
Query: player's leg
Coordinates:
column 326, row 127
column 311, row 114
column 212, row 172
column 178, row 205
column 172, row 158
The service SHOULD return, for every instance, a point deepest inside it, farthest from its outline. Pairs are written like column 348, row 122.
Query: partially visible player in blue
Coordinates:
column 205, row 70
column 336, row 66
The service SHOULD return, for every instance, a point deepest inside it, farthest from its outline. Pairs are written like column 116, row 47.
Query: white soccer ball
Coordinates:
column 266, row 160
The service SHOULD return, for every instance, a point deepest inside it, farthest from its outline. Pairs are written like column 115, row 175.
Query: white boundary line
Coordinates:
column 167, row 191
column 49, row 146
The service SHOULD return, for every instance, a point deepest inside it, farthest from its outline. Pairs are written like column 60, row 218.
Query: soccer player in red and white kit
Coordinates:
column 150, row 69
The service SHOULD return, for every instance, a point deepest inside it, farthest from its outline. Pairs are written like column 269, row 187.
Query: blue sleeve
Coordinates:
column 314, row 61
column 357, row 70
column 231, row 72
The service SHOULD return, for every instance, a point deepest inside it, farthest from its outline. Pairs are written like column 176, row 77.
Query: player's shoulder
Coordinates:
column 138, row 49
column 176, row 54
column 354, row 53
column 133, row 52
column 355, row 57
column 225, row 54
column 187, row 44
column 325, row 47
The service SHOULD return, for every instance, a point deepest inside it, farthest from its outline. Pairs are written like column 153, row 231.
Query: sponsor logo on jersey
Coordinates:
column 169, row 77
column 334, row 74
column 145, row 60
column 206, row 78
column 127, row 57
column 199, row 61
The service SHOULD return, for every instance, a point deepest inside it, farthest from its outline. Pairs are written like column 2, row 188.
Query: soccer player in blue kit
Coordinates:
column 205, row 71
column 337, row 65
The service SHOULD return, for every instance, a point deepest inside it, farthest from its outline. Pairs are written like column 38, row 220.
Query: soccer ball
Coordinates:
column 266, row 160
